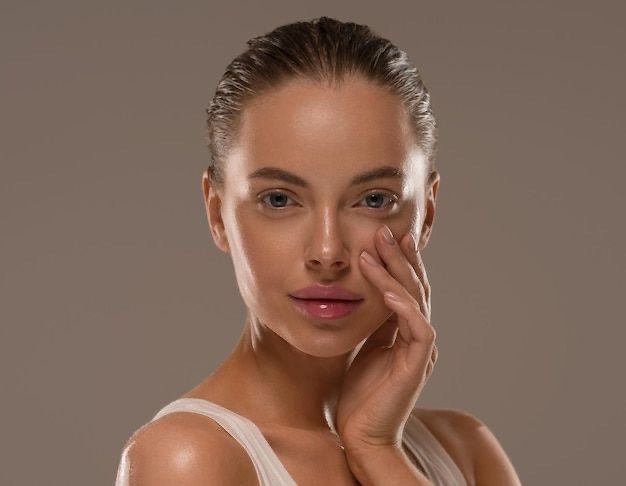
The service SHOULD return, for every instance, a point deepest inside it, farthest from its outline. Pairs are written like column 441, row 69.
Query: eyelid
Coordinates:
column 389, row 194
column 273, row 191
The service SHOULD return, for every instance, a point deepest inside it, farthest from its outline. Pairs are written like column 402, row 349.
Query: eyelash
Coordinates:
column 390, row 196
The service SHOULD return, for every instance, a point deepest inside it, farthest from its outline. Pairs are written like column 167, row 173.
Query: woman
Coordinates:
column 322, row 188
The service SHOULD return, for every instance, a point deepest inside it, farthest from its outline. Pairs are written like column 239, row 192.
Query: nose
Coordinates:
column 326, row 250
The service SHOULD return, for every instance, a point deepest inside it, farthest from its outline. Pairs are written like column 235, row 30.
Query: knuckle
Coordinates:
column 414, row 304
column 431, row 334
column 429, row 368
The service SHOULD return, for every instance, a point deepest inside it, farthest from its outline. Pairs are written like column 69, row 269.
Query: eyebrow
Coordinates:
column 385, row 171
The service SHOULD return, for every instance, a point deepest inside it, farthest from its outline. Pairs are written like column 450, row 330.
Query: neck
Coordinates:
column 283, row 385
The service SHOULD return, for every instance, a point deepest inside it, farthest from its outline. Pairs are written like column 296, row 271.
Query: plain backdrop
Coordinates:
column 114, row 299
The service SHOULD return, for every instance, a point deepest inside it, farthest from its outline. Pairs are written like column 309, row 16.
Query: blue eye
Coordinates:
column 281, row 198
column 378, row 196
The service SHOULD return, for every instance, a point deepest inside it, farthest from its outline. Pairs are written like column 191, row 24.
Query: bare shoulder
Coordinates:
column 186, row 448
column 471, row 444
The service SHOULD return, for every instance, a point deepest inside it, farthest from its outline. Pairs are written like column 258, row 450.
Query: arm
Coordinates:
column 384, row 466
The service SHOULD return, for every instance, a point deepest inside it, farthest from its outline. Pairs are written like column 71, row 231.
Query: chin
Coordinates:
column 326, row 338
column 329, row 340
column 325, row 349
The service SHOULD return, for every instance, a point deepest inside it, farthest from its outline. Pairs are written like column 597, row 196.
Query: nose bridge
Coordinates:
column 327, row 244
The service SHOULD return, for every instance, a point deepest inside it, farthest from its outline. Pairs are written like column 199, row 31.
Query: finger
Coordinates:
column 429, row 368
column 411, row 323
column 397, row 263
column 385, row 283
column 380, row 275
column 418, row 353
column 384, row 336
column 381, row 278
column 415, row 258
column 433, row 359
column 435, row 354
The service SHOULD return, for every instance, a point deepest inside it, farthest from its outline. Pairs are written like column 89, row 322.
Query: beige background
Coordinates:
column 114, row 299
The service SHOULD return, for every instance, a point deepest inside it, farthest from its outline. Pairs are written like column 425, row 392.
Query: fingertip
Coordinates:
column 367, row 258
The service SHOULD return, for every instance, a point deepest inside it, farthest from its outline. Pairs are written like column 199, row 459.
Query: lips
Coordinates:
column 329, row 293
column 326, row 309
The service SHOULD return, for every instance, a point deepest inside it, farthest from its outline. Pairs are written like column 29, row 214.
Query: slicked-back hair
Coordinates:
column 324, row 50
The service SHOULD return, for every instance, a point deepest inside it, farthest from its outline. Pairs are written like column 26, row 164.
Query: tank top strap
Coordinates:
column 435, row 460
column 420, row 442
column 269, row 469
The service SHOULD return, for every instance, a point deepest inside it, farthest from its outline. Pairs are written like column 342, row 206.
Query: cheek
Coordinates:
column 363, row 234
column 258, row 253
column 261, row 246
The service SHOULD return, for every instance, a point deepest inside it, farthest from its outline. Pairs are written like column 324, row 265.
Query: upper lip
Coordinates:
column 319, row 291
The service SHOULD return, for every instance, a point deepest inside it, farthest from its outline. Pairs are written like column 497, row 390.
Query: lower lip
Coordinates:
column 326, row 309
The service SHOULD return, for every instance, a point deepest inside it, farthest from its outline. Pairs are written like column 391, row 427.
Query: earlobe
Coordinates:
column 213, row 206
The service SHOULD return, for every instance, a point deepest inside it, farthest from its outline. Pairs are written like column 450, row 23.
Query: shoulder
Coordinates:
column 186, row 448
column 452, row 429
column 471, row 444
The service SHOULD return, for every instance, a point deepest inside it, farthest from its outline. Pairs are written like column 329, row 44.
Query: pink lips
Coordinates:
column 326, row 301
column 323, row 292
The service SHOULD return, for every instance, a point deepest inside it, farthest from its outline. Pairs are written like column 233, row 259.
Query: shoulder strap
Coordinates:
column 270, row 470
column 122, row 478
column 435, row 460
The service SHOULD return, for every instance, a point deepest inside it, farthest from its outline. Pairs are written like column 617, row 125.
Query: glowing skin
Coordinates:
column 300, row 378
column 286, row 369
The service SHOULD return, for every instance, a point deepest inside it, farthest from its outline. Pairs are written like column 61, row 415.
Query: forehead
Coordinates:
column 308, row 126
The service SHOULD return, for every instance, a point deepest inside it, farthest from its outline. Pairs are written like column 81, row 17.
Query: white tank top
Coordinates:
column 419, row 441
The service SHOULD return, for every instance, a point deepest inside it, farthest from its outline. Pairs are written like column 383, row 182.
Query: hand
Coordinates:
column 385, row 379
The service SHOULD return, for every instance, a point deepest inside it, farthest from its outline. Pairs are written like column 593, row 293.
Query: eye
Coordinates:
column 277, row 196
column 379, row 196
column 280, row 199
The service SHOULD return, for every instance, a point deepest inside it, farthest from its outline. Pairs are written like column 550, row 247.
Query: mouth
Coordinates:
column 325, row 299
column 326, row 308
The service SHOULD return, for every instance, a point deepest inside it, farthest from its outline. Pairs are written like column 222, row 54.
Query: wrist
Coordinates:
column 363, row 455
column 383, row 465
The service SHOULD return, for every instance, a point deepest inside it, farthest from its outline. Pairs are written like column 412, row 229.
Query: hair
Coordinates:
column 323, row 49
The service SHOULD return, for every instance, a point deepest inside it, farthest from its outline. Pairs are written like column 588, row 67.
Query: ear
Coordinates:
column 432, row 186
column 213, row 204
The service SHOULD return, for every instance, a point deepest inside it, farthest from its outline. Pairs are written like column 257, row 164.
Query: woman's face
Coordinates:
column 310, row 226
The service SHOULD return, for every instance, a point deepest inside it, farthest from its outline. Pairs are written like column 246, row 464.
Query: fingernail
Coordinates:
column 388, row 236
column 413, row 243
column 368, row 258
